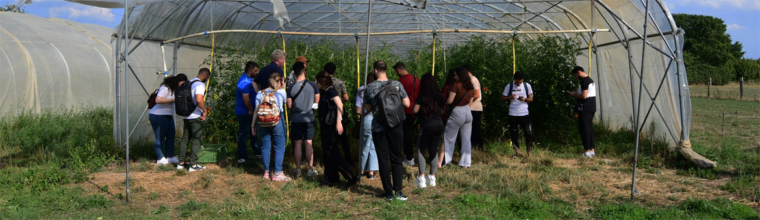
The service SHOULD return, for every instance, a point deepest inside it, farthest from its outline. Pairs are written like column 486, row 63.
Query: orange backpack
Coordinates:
column 269, row 111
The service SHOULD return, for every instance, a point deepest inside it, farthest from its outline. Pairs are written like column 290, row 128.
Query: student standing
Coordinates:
column 412, row 87
column 368, row 162
column 330, row 116
column 519, row 94
column 272, row 136
column 340, row 86
column 262, row 79
column 162, row 119
column 476, row 106
column 460, row 120
column 302, row 97
column 244, row 112
column 445, row 91
column 585, row 107
column 388, row 140
column 428, row 108
column 193, row 129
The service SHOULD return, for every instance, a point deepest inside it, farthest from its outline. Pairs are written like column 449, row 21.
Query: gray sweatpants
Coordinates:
column 460, row 122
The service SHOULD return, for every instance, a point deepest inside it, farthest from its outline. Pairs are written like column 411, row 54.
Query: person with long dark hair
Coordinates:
column 162, row 120
column 330, row 130
column 445, row 90
column 460, row 119
column 428, row 108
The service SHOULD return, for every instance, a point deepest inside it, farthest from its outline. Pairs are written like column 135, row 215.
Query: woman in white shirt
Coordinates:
column 162, row 120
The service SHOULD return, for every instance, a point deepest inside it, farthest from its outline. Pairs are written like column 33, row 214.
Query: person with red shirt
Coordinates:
column 412, row 86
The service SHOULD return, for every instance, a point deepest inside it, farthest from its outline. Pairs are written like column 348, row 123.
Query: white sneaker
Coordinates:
column 311, row 173
column 408, row 162
column 180, row 167
column 241, row 160
column 431, row 181
column 163, row 160
column 593, row 154
column 420, row 182
column 587, row 154
column 298, row 172
column 173, row 160
column 196, row 168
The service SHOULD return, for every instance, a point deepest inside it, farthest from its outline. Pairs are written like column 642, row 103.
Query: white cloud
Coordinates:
column 717, row 4
column 734, row 27
column 81, row 11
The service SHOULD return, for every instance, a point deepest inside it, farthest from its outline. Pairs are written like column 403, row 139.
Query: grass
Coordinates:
column 730, row 91
column 555, row 183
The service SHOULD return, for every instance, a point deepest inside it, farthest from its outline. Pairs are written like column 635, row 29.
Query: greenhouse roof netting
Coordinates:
column 632, row 48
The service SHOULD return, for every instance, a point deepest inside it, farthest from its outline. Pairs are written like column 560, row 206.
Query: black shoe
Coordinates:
column 353, row 181
column 371, row 176
column 387, row 196
column 400, row 196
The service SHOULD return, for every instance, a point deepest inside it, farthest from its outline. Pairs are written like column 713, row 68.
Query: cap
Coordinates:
column 302, row 59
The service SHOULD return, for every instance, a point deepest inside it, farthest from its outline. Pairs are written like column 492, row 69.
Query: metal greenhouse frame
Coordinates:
column 612, row 31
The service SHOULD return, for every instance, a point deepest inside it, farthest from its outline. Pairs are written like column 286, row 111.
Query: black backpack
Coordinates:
column 183, row 99
column 390, row 107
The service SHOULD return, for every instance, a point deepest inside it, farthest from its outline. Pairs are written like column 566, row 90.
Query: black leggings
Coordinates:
column 428, row 140
column 477, row 135
column 334, row 163
column 524, row 123
column 409, row 129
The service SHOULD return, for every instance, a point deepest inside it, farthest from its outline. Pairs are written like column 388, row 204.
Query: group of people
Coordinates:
column 449, row 114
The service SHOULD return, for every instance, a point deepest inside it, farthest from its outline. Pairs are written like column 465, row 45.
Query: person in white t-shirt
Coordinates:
column 193, row 130
column 519, row 94
column 162, row 120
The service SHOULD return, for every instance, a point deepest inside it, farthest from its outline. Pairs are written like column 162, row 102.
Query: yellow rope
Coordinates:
column 285, row 76
column 590, row 43
column 514, row 58
column 358, row 75
column 210, row 67
column 433, row 54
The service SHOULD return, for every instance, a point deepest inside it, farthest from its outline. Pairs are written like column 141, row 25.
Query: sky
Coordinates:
column 741, row 16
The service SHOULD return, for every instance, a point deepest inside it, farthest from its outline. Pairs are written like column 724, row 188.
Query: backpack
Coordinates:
column 269, row 112
column 390, row 107
column 331, row 118
column 527, row 88
column 183, row 99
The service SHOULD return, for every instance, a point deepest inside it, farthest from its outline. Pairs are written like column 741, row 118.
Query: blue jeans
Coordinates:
column 274, row 136
column 369, row 156
column 244, row 134
column 163, row 128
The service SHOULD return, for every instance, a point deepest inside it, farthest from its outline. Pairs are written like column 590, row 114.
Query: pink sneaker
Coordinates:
column 266, row 174
column 281, row 177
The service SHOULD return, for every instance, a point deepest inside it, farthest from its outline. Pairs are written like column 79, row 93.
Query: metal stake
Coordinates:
column 125, row 22
column 638, row 113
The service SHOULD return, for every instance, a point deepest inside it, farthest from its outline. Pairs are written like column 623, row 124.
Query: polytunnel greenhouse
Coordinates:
column 632, row 48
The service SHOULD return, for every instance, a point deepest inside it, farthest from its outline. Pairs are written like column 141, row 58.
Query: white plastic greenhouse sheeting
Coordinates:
column 57, row 63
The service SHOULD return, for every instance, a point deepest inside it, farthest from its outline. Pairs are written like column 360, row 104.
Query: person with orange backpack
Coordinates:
column 268, row 116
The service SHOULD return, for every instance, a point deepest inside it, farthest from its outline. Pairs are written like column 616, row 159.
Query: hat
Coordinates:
column 302, row 59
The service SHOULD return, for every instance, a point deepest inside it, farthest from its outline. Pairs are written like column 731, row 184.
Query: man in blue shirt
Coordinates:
column 244, row 110
column 278, row 60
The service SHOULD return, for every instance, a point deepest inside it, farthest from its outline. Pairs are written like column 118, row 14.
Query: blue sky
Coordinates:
column 741, row 16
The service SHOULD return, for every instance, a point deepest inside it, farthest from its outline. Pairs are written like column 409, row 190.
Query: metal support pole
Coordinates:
column 125, row 22
column 366, row 53
column 118, row 89
column 741, row 88
column 174, row 66
column 708, row 87
column 638, row 111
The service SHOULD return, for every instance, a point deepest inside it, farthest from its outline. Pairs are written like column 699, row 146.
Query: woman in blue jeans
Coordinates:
column 368, row 162
column 272, row 136
column 162, row 119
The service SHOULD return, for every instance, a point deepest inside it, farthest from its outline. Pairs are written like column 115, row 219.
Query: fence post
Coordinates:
column 741, row 88
column 708, row 87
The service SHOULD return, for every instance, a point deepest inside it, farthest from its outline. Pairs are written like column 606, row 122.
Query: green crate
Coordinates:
column 212, row 153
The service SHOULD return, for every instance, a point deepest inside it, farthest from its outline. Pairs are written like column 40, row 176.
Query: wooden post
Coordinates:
column 741, row 88
column 708, row 87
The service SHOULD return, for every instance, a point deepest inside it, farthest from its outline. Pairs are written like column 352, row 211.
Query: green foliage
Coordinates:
column 25, row 205
column 56, row 147
column 523, row 206
column 229, row 64
column 186, row 210
column 708, row 50
column 690, row 208
column 12, row 8
column 747, row 68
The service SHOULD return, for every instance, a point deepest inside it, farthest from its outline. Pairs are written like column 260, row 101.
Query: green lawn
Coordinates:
column 554, row 183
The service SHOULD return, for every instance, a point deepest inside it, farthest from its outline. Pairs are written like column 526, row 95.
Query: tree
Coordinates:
column 12, row 8
column 708, row 50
